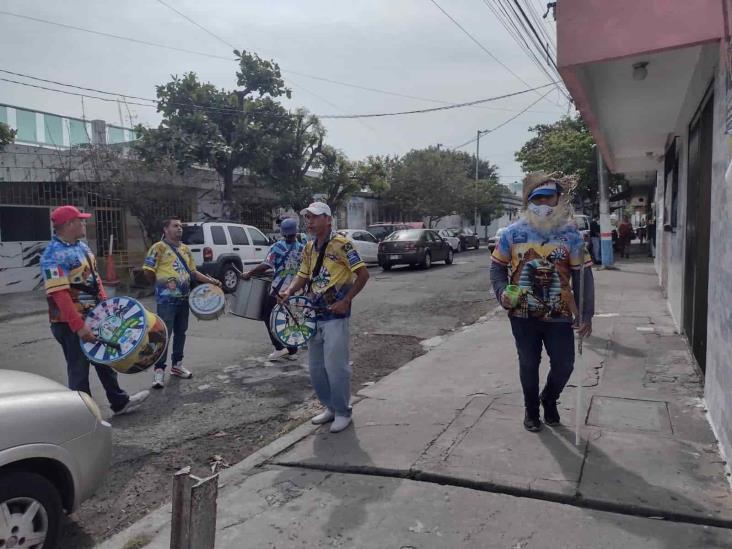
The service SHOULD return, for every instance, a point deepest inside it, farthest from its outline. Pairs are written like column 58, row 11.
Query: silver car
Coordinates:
column 55, row 449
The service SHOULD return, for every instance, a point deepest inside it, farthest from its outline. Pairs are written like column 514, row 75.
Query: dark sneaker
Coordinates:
column 551, row 414
column 532, row 422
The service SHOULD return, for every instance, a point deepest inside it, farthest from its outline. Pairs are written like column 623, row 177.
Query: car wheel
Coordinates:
column 427, row 260
column 448, row 260
column 386, row 266
column 229, row 278
column 32, row 510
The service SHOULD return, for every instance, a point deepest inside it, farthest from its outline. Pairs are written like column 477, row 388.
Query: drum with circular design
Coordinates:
column 130, row 338
column 207, row 302
column 293, row 321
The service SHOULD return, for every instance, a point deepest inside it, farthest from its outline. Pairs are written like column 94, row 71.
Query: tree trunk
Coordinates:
column 227, row 203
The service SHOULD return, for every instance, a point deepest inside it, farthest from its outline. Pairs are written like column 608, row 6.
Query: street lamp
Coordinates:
column 477, row 165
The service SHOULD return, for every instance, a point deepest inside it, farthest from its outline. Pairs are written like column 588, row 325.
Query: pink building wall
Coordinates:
column 589, row 31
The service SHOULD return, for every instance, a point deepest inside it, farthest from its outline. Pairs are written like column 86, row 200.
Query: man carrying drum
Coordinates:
column 170, row 266
column 74, row 287
column 335, row 274
column 283, row 259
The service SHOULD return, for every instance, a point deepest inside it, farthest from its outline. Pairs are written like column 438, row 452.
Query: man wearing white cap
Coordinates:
column 543, row 255
column 335, row 274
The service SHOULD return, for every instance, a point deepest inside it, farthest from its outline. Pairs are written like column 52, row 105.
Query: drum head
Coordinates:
column 293, row 322
column 119, row 320
column 207, row 301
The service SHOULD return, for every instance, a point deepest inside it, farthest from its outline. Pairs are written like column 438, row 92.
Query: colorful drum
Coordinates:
column 250, row 297
column 293, row 322
column 207, row 302
column 131, row 338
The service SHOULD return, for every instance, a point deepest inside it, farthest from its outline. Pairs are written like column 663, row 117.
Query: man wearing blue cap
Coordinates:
column 283, row 259
column 543, row 254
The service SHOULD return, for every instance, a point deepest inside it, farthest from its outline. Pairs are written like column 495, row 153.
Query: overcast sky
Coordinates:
column 403, row 46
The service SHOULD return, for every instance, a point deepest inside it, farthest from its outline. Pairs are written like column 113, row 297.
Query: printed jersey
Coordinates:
column 540, row 264
column 284, row 259
column 67, row 266
column 335, row 278
column 172, row 281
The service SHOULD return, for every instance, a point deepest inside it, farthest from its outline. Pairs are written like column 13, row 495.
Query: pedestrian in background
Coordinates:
column 625, row 235
column 335, row 274
column 543, row 254
column 171, row 267
column 283, row 259
column 595, row 240
column 74, row 288
column 651, row 230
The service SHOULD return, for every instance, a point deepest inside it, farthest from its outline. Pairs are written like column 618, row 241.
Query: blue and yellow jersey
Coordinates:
column 172, row 281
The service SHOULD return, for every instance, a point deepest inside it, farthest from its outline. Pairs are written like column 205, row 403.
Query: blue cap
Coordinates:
column 546, row 189
column 288, row 227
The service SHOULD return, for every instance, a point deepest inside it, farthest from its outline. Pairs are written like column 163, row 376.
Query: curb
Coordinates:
column 14, row 316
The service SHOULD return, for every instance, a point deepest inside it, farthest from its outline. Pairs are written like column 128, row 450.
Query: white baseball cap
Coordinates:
column 317, row 208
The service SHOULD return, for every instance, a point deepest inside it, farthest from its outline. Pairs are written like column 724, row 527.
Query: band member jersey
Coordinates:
column 284, row 259
column 540, row 264
column 335, row 279
column 172, row 281
column 69, row 266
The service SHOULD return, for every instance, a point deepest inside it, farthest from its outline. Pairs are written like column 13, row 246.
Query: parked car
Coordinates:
column 451, row 237
column 414, row 247
column 381, row 230
column 220, row 249
column 583, row 225
column 55, row 450
column 468, row 239
column 493, row 240
column 365, row 243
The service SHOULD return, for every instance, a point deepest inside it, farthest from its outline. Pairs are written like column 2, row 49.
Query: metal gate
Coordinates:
column 698, row 212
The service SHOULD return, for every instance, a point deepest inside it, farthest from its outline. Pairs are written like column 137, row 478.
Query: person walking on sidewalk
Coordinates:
column 541, row 254
column 283, row 259
column 74, row 287
column 171, row 267
column 595, row 239
column 625, row 235
column 335, row 274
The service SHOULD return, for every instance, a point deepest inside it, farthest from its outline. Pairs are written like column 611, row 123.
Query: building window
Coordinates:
column 19, row 224
column 26, row 121
column 671, row 185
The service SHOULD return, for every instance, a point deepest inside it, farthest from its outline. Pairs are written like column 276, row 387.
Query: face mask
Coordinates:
column 541, row 210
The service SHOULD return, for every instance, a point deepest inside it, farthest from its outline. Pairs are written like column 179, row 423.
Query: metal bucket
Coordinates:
column 249, row 298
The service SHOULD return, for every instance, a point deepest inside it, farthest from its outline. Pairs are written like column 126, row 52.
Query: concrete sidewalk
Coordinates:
column 438, row 456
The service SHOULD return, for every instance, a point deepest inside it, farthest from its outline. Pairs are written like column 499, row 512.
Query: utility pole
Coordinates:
column 606, row 238
column 477, row 166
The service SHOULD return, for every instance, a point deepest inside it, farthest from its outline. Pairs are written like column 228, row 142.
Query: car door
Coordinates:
column 218, row 239
column 433, row 245
column 260, row 243
column 358, row 243
column 371, row 246
column 441, row 247
column 241, row 245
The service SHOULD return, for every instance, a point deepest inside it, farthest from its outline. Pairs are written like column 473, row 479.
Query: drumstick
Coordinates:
column 115, row 346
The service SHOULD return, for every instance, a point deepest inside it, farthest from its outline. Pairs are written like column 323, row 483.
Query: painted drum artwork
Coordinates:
column 293, row 322
column 130, row 338
column 207, row 302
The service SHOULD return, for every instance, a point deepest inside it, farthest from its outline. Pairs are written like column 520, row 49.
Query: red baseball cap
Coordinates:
column 64, row 214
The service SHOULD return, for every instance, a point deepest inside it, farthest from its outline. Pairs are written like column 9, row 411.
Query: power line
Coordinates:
column 215, row 56
column 204, row 29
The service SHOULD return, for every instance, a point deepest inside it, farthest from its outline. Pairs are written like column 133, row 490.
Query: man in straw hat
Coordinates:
column 535, row 273
column 74, row 287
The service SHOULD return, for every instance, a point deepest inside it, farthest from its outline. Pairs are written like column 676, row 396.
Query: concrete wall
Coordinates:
column 718, row 383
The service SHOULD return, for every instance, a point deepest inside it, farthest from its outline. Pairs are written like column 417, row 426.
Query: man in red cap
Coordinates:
column 74, row 287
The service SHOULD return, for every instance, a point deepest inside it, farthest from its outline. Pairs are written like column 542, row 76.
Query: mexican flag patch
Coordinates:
column 52, row 272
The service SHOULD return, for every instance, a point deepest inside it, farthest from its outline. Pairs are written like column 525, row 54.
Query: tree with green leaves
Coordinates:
column 227, row 130
column 566, row 146
column 7, row 135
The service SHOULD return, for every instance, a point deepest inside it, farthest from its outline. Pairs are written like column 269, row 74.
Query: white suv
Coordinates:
column 220, row 249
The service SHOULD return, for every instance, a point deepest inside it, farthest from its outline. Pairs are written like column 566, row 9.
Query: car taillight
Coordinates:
column 410, row 246
column 207, row 254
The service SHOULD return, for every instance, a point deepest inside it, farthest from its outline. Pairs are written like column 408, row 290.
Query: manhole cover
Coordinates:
column 629, row 414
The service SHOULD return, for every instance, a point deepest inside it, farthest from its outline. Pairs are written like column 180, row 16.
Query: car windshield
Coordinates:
column 412, row 234
column 381, row 231
column 582, row 223
column 192, row 234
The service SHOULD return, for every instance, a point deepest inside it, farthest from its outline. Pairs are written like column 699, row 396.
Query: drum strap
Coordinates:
column 180, row 258
column 318, row 264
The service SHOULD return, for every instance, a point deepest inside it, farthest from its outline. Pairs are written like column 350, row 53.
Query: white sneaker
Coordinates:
column 276, row 355
column 158, row 378
column 179, row 371
column 134, row 403
column 325, row 417
column 340, row 423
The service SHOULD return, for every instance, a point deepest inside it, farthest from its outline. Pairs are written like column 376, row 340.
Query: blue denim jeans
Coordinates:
column 330, row 371
column 558, row 339
column 175, row 316
column 77, row 368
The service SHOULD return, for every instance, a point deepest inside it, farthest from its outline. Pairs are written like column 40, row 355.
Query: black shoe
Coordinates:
column 532, row 422
column 551, row 414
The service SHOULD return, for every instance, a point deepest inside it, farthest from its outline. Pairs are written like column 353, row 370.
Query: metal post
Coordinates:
column 477, row 164
column 606, row 238
column 193, row 523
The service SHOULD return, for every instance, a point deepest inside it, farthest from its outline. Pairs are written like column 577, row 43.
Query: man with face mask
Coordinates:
column 544, row 255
